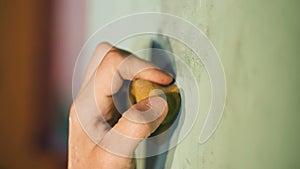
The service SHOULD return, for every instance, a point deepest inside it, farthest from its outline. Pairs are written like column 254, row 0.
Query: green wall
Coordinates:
column 258, row 43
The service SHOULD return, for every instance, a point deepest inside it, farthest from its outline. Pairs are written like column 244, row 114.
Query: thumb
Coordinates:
column 137, row 123
column 143, row 118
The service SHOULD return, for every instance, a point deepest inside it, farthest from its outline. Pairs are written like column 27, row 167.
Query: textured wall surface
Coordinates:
column 258, row 43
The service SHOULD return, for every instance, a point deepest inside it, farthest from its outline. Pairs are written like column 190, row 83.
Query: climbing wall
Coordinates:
column 258, row 44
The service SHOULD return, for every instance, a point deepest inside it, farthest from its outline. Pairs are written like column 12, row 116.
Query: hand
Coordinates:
column 99, row 137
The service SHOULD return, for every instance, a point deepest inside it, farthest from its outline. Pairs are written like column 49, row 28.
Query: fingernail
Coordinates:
column 158, row 105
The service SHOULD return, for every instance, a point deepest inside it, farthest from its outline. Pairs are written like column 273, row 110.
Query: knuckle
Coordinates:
column 103, row 45
column 104, row 49
column 72, row 108
column 112, row 57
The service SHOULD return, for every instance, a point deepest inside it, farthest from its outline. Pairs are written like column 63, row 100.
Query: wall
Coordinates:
column 258, row 44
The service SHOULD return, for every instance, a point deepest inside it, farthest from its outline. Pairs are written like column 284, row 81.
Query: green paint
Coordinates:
column 258, row 43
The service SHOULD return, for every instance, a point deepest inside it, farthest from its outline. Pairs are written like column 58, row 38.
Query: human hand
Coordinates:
column 99, row 136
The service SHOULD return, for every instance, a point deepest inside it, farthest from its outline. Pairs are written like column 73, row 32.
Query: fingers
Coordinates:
column 137, row 123
column 155, row 75
column 143, row 118
column 119, row 65
column 104, row 78
column 132, row 67
column 95, row 101
column 116, row 67
column 101, row 50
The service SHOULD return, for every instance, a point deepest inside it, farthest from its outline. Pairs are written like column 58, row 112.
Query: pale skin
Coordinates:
column 86, row 152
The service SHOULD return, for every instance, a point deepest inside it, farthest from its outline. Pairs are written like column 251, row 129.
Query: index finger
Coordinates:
column 119, row 65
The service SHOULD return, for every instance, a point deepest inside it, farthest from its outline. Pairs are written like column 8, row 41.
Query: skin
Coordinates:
column 121, row 137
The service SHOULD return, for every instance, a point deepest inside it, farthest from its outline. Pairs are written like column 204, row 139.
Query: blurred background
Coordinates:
column 258, row 43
